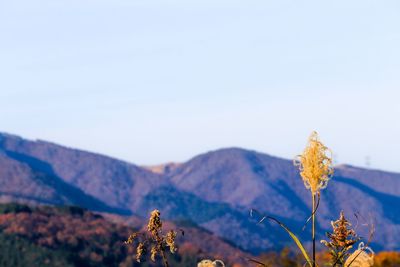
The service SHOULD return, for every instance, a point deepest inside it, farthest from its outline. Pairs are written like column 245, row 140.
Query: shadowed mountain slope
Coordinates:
column 119, row 184
column 22, row 183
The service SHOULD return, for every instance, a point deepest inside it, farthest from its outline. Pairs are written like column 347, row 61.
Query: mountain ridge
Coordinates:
column 215, row 189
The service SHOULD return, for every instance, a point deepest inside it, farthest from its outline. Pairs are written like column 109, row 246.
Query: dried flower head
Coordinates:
column 139, row 251
column 155, row 238
column 360, row 257
column 153, row 253
column 155, row 224
column 209, row 263
column 315, row 164
column 170, row 240
column 341, row 241
column 205, row 263
column 131, row 238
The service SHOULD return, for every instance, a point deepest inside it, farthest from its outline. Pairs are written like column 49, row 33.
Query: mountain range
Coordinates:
column 215, row 191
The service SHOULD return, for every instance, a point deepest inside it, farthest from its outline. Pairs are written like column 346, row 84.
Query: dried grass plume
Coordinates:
column 315, row 164
column 360, row 257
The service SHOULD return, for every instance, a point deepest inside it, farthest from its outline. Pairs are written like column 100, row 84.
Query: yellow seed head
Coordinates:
column 155, row 224
column 131, row 238
column 139, row 251
column 315, row 164
column 153, row 252
column 170, row 240
column 209, row 263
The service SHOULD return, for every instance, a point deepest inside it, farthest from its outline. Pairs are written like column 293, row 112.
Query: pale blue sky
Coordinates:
column 155, row 81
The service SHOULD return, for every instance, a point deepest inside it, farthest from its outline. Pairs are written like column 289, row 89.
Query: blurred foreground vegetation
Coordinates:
column 286, row 258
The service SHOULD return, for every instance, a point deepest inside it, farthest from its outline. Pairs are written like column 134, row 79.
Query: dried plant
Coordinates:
column 341, row 240
column 316, row 169
column 315, row 164
column 360, row 257
column 154, row 239
column 210, row 263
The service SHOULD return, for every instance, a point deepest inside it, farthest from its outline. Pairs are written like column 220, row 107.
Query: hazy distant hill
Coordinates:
column 215, row 189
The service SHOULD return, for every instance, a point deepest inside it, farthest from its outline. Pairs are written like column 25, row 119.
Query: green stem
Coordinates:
column 313, row 229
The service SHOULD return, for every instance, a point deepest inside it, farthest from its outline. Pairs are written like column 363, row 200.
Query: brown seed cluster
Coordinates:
column 154, row 238
column 153, row 253
column 154, row 226
column 170, row 240
column 131, row 238
column 341, row 232
column 341, row 241
column 139, row 251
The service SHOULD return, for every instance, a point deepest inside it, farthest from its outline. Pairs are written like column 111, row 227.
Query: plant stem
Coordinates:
column 313, row 229
column 164, row 258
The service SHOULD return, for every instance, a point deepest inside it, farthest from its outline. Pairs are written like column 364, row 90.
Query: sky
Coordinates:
column 158, row 81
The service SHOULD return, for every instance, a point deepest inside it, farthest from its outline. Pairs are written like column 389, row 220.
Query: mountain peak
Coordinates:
column 235, row 152
column 163, row 169
column 215, row 189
